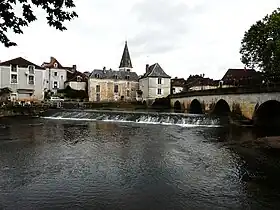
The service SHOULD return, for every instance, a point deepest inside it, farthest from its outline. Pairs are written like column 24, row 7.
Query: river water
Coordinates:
column 107, row 160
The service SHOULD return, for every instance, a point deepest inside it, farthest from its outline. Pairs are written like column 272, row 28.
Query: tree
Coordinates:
column 57, row 12
column 260, row 46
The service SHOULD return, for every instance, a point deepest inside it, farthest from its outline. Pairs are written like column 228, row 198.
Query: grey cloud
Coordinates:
column 164, row 23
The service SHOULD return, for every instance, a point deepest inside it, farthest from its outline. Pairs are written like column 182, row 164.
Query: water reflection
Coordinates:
column 107, row 165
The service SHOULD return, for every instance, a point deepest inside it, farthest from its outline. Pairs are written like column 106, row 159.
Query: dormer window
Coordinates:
column 127, row 77
column 79, row 78
column 115, row 76
column 96, row 76
column 31, row 69
column 14, row 68
column 55, row 65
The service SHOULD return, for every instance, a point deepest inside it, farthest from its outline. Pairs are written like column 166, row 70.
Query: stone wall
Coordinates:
column 245, row 103
column 126, row 90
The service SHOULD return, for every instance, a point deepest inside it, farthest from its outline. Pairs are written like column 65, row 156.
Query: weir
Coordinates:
column 178, row 119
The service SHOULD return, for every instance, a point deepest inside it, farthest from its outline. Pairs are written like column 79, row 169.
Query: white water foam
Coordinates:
column 149, row 121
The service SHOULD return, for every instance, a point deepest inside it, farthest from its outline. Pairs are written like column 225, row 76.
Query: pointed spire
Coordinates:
column 126, row 61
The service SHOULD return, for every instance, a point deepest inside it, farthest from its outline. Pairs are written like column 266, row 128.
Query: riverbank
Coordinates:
column 32, row 111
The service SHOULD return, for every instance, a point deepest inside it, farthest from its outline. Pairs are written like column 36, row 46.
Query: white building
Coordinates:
column 24, row 78
column 56, row 75
column 155, row 83
column 177, row 85
column 76, row 80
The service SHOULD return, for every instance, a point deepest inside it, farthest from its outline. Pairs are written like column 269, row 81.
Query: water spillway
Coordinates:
column 179, row 119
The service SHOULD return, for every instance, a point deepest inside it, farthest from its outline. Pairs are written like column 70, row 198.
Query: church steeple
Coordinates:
column 125, row 61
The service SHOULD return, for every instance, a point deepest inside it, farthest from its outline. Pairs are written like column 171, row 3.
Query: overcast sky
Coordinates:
column 184, row 36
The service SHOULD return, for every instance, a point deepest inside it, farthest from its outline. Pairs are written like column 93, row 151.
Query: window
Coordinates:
column 127, row 77
column 79, row 78
column 61, row 77
column 55, row 84
column 116, row 89
column 31, row 69
column 159, row 91
column 96, row 75
column 115, row 76
column 31, row 80
column 14, row 78
column 55, row 74
column 128, row 93
column 13, row 68
column 159, row 81
column 55, row 65
column 98, row 88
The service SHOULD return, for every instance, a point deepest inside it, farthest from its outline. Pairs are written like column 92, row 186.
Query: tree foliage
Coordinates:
column 260, row 46
column 57, row 11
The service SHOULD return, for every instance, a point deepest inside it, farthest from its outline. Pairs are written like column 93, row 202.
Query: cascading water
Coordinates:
column 184, row 120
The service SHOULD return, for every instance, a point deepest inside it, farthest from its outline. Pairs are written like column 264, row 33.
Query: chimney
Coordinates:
column 147, row 67
column 74, row 67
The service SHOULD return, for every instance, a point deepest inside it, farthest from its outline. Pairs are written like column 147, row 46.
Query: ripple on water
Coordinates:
column 109, row 165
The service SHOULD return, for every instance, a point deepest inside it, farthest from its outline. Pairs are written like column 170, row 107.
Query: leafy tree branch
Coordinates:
column 260, row 46
column 58, row 11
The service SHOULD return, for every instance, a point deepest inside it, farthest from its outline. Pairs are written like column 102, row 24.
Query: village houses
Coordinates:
column 24, row 79
column 155, row 83
column 28, row 81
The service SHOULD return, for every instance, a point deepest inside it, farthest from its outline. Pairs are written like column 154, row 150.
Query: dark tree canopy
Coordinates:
column 57, row 11
column 260, row 46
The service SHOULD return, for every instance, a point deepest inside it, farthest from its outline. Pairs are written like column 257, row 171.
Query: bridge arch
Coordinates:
column 195, row 107
column 268, row 114
column 177, row 106
column 221, row 108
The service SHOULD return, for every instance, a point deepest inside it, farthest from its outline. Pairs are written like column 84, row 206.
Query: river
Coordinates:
column 120, row 160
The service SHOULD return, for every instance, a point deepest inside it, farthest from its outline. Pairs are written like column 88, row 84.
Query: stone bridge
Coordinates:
column 261, row 106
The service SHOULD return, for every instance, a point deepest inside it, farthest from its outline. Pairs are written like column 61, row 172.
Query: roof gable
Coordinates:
column 20, row 62
column 155, row 70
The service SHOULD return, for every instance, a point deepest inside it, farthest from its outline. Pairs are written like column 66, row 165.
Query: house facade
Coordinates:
column 177, row 85
column 76, row 80
column 107, row 85
column 199, row 82
column 24, row 78
column 55, row 76
column 155, row 83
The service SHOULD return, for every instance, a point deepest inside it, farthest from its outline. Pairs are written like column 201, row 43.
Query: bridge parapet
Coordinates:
column 242, row 101
column 228, row 91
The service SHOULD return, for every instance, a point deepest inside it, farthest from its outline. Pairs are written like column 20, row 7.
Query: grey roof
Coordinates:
column 125, row 61
column 111, row 74
column 155, row 70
